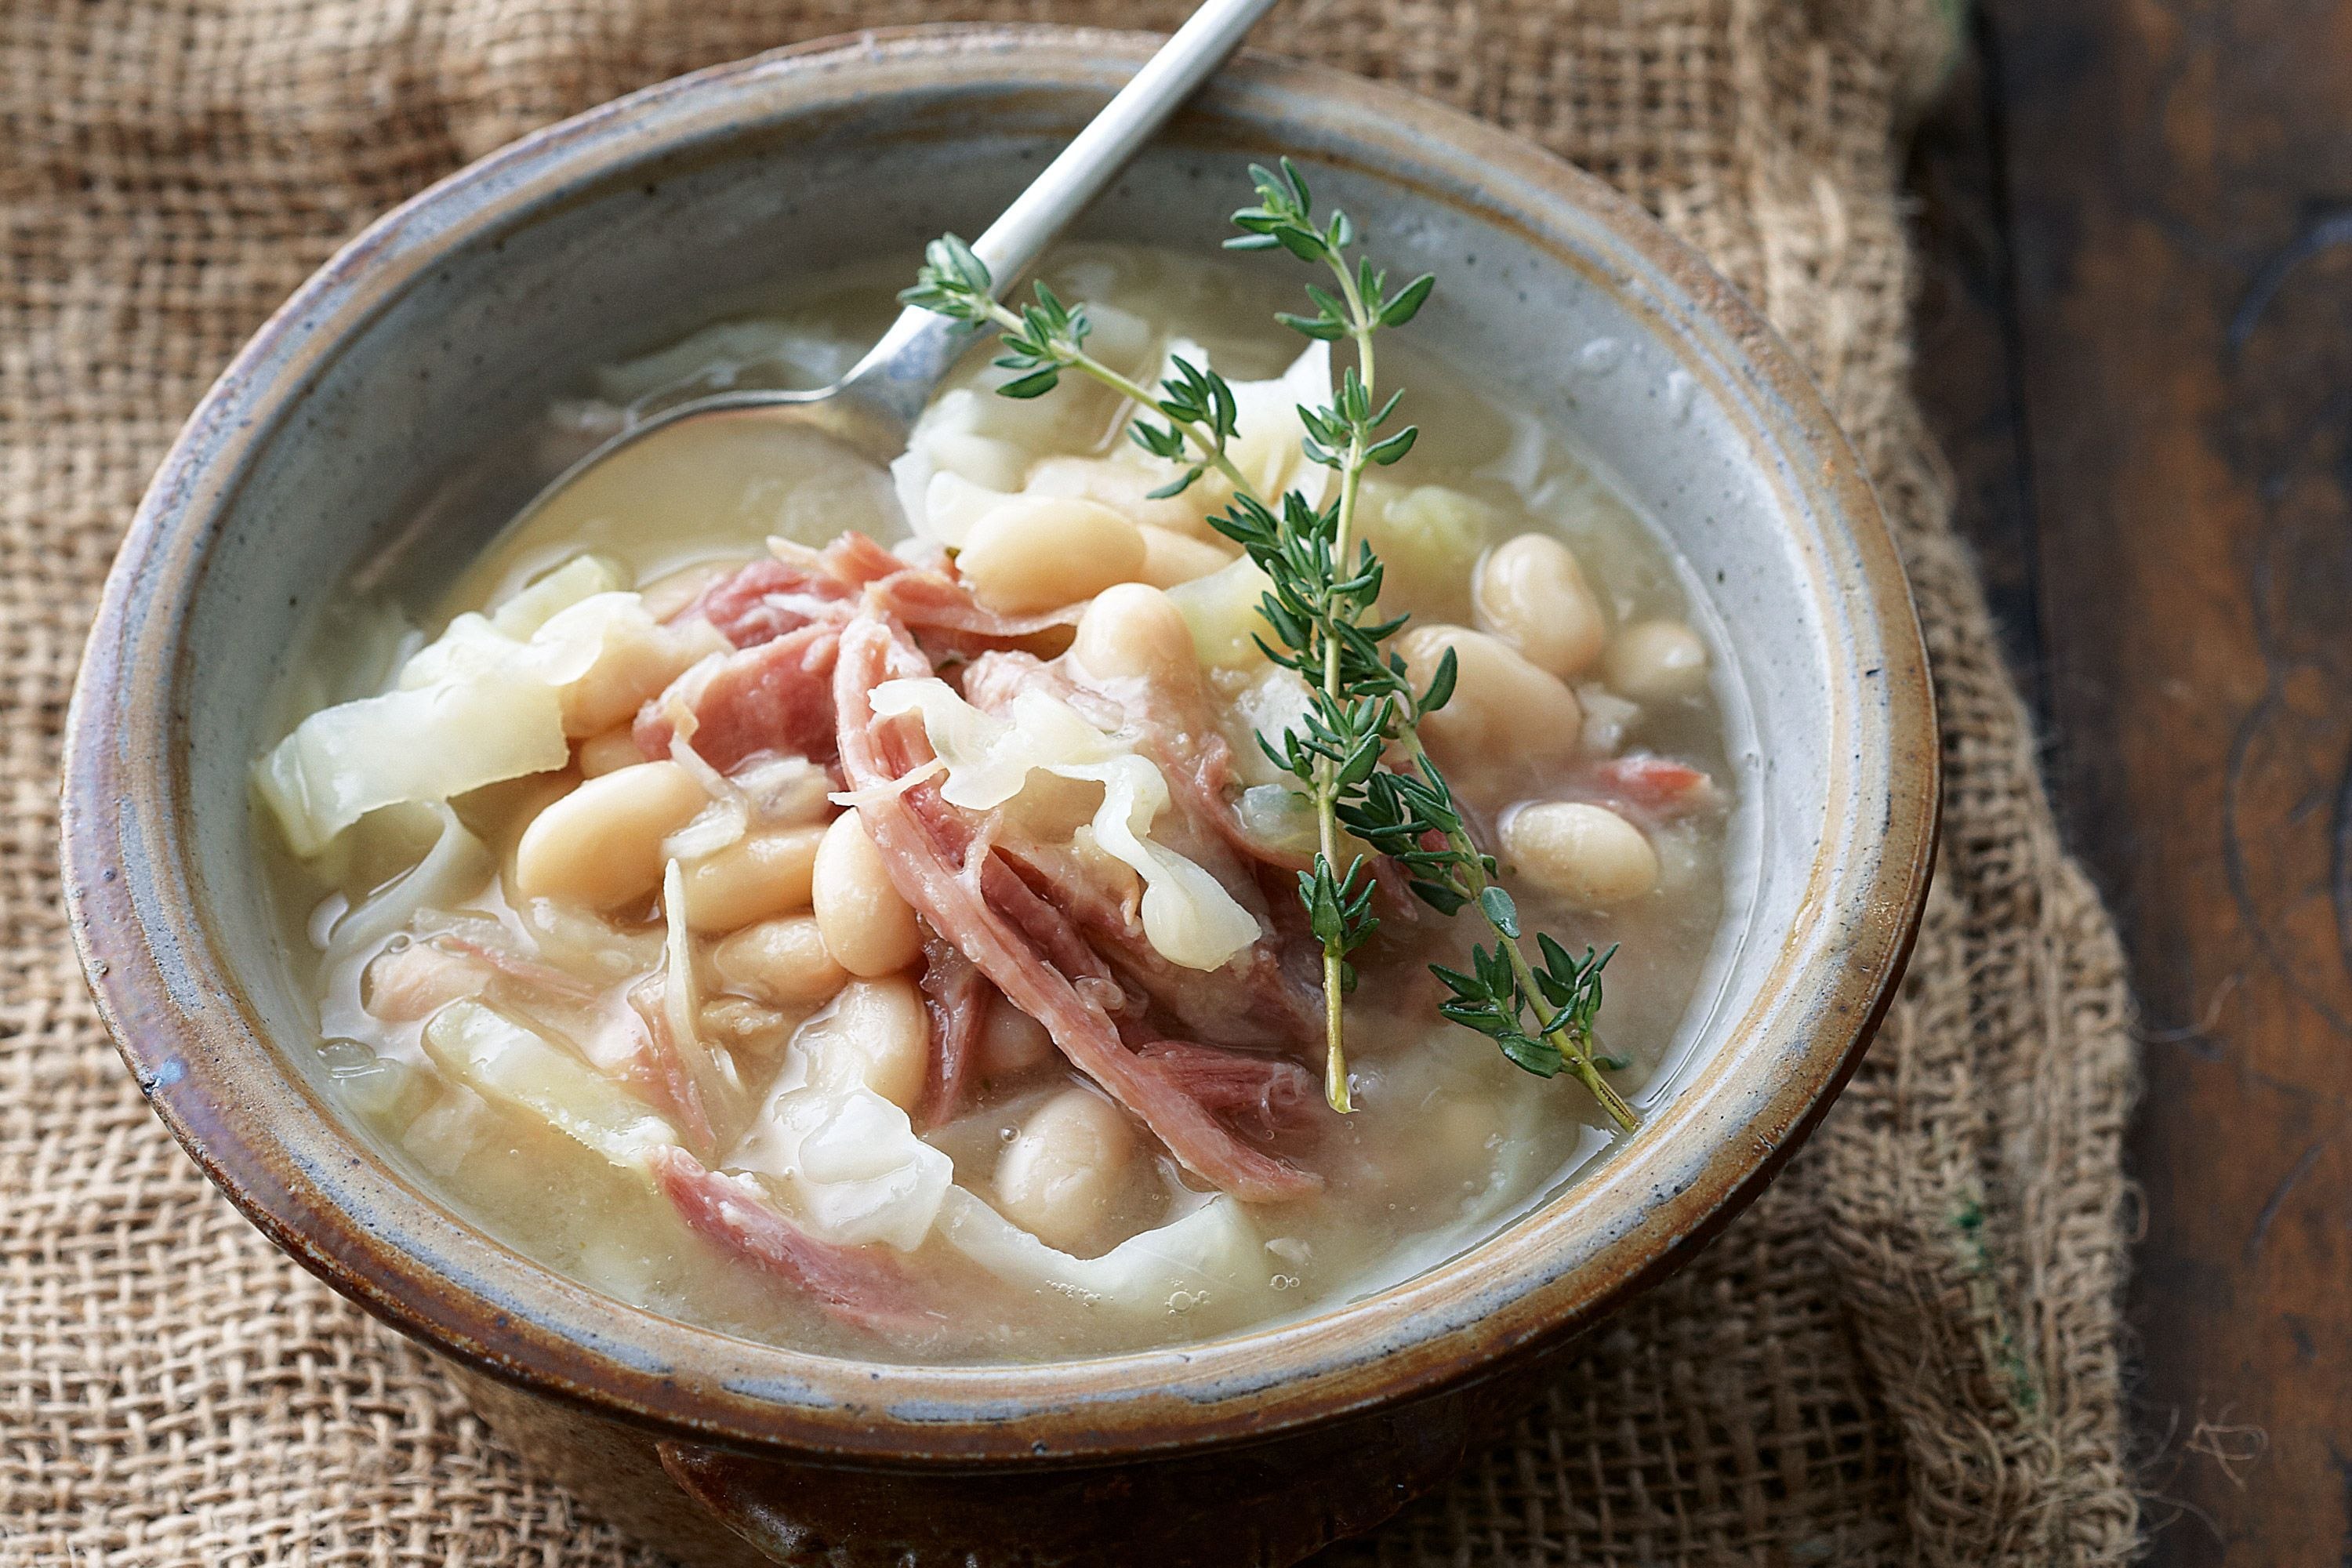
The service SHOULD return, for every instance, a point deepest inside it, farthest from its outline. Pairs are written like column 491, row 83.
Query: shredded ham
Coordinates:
column 960, row 891
column 956, row 996
column 773, row 695
column 767, row 599
column 658, row 1068
column 1653, row 786
column 783, row 615
column 814, row 631
column 1258, row 1000
column 532, row 976
column 1276, row 1093
column 860, row 1285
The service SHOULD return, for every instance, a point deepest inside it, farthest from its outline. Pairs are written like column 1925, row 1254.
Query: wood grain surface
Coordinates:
column 2136, row 345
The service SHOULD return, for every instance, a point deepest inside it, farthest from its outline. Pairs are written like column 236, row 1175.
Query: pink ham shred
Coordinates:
column 542, row 981
column 1653, row 786
column 783, row 613
column 1275, row 1093
column 767, row 599
column 1015, row 936
column 773, row 695
column 1261, row 1002
column 814, row 631
column 859, row 1284
column 660, row 1070
column 956, row 996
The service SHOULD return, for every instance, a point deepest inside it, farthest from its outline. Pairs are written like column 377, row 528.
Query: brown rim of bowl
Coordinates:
column 200, row 1055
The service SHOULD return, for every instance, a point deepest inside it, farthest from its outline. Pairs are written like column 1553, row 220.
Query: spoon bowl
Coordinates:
column 872, row 409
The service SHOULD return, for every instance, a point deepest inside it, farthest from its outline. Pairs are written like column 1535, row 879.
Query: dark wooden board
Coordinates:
column 2136, row 345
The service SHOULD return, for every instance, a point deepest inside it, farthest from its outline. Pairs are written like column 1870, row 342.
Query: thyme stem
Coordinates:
column 1327, row 795
column 1069, row 352
column 1566, row 1035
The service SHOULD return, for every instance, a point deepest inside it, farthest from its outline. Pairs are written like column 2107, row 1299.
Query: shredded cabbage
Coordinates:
column 1275, row 705
column 577, row 579
column 452, row 871
column 427, row 745
column 713, row 1068
column 847, row 1158
column 479, row 704
column 507, row 1063
column 968, row 452
column 1223, row 610
column 1267, row 428
column 1188, row 916
column 848, row 1163
column 1209, row 1251
column 952, row 469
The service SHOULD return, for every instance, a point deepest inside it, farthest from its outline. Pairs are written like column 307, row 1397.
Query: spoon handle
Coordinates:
column 900, row 370
column 1097, row 153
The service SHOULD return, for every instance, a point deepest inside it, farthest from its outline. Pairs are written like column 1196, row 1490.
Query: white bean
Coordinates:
column 1503, row 709
column 601, row 845
column 1585, row 853
column 1170, row 557
column 1039, row 552
column 635, row 664
column 1122, row 487
column 1009, row 1042
column 1653, row 660
column 868, row 928
column 609, row 752
column 1530, row 591
column 760, row 874
column 1060, row 1177
column 781, row 962
column 877, row 1034
column 1132, row 630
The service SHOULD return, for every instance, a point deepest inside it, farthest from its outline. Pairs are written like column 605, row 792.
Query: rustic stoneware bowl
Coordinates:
column 443, row 329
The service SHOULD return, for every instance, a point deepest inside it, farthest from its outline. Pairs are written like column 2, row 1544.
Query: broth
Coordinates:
column 645, row 1063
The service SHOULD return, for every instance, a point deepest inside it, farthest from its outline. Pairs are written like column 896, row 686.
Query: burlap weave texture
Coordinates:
column 1905, row 1352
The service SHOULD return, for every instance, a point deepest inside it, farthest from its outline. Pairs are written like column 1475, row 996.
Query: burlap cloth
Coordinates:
column 1906, row 1352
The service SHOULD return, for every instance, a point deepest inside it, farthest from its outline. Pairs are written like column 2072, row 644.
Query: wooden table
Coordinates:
column 2136, row 345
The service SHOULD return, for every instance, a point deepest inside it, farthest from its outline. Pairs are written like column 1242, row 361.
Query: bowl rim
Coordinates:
column 170, row 999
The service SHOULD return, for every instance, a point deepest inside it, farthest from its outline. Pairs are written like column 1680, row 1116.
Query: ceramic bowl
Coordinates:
column 444, row 327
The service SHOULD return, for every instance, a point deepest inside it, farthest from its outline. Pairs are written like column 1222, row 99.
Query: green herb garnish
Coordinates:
column 1359, row 763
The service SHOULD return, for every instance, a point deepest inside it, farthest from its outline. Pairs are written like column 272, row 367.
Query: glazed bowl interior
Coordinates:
column 439, row 337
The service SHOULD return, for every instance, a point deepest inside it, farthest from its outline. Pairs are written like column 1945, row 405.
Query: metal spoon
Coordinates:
column 874, row 406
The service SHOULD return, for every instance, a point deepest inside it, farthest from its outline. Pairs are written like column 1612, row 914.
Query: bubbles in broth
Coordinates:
column 884, row 939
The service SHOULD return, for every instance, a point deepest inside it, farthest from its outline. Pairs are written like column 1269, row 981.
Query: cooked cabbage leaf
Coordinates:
column 485, row 701
column 1208, row 1252
column 847, row 1159
column 1188, row 916
column 507, row 1063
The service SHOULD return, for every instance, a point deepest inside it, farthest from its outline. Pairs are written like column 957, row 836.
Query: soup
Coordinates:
column 860, row 910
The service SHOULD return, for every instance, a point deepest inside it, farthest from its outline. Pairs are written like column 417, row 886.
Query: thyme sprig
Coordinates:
column 1046, row 337
column 1357, row 752
column 1325, row 580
